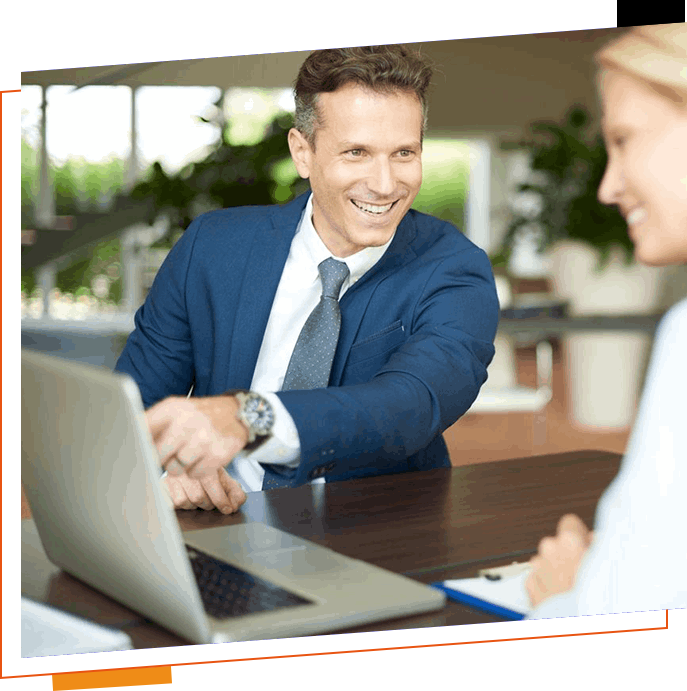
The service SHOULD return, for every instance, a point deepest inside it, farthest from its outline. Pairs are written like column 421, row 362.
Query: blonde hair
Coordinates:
column 657, row 55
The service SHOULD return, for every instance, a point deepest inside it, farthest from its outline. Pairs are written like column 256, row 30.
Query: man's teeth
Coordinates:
column 371, row 208
column 636, row 216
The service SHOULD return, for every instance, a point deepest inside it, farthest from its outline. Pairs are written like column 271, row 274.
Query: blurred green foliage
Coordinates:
column 573, row 163
column 80, row 186
column 230, row 175
column 78, row 277
column 445, row 180
column 247, row 174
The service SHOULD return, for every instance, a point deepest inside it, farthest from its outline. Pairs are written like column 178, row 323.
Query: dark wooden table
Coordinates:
column 428, row 526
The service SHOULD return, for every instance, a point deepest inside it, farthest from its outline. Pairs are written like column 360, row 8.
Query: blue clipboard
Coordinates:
column 478, row 603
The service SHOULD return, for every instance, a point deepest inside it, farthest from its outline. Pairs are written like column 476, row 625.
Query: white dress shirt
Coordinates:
column 638, row 558
column 298, row 293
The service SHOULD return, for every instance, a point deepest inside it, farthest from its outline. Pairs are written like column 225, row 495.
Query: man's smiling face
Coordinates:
column 366, row 167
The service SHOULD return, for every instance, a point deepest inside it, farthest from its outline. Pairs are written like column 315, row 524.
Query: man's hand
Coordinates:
column 212, row 491
column 554, row 568
column 196, row 436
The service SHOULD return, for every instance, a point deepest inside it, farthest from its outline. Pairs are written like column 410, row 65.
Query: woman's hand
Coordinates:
column 554, row 568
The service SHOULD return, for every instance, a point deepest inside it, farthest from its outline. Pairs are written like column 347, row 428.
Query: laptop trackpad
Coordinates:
column 258, row 546
column 299, row 561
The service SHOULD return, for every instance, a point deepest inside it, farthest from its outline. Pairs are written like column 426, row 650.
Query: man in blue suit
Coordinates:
column 331, row 338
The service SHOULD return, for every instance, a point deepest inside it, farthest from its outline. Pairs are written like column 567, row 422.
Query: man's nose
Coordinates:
column 382, row 181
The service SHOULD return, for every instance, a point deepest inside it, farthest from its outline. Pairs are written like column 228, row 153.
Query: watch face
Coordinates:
column 258, row 414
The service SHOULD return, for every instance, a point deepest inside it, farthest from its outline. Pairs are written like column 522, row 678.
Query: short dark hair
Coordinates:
column 380, row 68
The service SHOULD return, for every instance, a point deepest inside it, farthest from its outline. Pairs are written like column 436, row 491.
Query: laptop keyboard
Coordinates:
column 227, row 591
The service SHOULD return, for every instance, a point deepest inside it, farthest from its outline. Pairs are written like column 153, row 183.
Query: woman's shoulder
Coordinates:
column 668, row 363
column 672, row 329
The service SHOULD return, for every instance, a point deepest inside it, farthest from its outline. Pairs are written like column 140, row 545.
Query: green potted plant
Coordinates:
column 586, row 242
column 567, row 164
column 591, row 265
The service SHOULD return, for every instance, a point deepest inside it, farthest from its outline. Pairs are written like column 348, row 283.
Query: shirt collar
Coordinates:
column 358, row 264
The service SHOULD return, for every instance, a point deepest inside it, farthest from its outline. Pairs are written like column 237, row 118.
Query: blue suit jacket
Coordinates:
column 416, row 337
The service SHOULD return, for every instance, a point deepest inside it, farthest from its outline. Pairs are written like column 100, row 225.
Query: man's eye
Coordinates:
column 355, row 152
column 405, row 153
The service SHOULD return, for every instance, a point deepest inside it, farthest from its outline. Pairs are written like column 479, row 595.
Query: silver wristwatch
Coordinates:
column 256, row 413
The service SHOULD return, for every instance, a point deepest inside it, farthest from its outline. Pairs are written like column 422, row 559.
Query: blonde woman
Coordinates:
column 636, row 559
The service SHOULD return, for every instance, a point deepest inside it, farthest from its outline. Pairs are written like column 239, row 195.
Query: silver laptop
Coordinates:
column 93, row 480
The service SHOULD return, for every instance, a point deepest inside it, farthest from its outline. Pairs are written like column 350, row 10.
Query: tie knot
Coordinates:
column 333, row 274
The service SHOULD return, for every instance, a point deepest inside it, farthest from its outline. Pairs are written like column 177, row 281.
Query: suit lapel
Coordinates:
column 355, row 301
column 264, row 267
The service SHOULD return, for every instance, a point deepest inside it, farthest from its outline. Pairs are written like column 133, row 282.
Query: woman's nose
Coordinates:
column 612, row 185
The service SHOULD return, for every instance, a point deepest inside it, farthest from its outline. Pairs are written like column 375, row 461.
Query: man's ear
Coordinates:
column 300, row 152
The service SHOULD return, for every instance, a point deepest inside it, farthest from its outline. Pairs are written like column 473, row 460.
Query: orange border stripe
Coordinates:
column 133, row 676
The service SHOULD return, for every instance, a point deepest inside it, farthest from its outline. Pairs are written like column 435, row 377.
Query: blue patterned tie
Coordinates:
column 311, row 361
